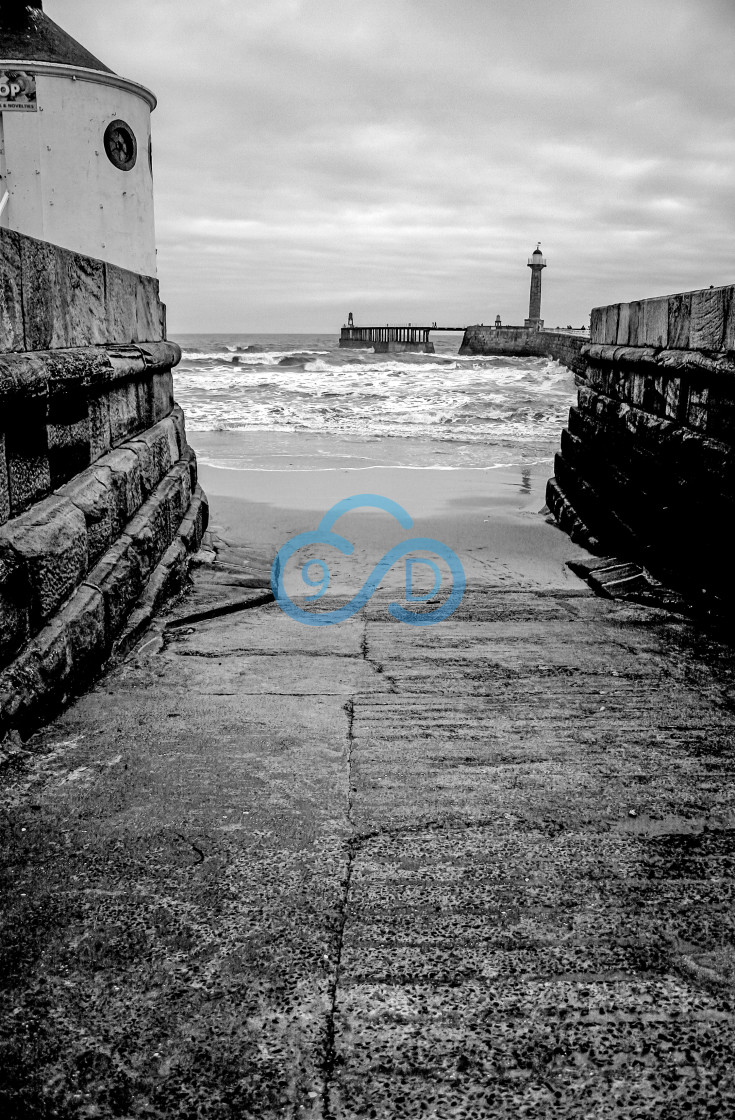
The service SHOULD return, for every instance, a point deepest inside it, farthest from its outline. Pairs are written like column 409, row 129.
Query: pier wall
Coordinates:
column 403, row 348
column 99, row 501
column 520, row 341
column 391, row 347
column 647, row 462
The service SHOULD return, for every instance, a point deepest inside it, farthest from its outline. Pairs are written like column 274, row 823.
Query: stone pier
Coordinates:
column 646, row 465
column 563, row 346
column 99, row 501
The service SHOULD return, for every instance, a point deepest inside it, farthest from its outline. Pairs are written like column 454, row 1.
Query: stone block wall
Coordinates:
column 99, row 501
column 647, row 462
column 524, row 342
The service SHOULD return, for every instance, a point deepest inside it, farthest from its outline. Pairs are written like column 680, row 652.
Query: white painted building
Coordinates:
column 75, row 144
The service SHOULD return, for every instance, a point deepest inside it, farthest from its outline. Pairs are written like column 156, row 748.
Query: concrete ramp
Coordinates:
column 480, row 869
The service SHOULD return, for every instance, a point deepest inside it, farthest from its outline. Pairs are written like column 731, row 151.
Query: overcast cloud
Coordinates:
column 401, row 158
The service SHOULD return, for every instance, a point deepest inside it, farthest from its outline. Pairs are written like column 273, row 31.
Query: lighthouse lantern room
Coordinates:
column 75, row 144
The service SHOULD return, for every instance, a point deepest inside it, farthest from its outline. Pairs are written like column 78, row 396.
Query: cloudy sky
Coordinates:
column 401, row 158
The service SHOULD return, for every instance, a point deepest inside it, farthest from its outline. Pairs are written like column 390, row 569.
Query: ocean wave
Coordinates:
column 246, row 355
column 307, row 384
column 447, row 431
column 294, row 360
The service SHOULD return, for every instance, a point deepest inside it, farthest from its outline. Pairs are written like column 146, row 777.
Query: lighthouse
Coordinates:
column 536, row 262
column 75, row 144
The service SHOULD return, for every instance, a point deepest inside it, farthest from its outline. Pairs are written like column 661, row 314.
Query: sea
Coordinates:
column 441, row 410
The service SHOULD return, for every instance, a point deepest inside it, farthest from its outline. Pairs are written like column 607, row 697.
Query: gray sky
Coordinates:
column 401, row 158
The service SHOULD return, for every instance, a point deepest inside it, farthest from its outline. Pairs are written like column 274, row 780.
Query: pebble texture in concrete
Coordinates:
column 478, row 870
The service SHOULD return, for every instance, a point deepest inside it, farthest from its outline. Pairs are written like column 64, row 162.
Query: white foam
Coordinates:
column 443, row 397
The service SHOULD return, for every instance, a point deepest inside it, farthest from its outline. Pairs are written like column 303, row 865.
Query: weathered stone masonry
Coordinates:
column 99, row 502
column 647, row 463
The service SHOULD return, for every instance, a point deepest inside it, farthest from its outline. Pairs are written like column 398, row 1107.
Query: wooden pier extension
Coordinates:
column 391, row 339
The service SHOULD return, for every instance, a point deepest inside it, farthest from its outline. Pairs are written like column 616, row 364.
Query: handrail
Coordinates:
column 401, row 327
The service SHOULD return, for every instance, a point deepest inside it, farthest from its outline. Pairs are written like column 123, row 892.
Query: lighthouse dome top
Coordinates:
column 27, row 34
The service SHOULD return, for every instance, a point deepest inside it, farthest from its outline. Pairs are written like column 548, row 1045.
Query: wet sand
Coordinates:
column 493, row 518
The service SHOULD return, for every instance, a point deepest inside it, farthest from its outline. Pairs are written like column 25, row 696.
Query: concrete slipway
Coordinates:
column 481, row 869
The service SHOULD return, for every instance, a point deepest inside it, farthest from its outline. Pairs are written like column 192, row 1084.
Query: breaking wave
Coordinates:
column 305, row 383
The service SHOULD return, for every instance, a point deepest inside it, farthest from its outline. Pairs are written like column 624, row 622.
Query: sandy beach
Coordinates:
column 493, row 518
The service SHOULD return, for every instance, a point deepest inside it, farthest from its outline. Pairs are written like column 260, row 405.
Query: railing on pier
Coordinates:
column 370, row 335
column 393, row 332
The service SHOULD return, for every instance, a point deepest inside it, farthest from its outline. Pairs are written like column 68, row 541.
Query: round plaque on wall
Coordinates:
column 121, row 145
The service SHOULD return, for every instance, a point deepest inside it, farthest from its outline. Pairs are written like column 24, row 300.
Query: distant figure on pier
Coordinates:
column 350, row 320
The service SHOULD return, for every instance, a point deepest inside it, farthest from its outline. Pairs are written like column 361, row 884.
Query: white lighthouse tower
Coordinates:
column 75, row 144
column 536, row 262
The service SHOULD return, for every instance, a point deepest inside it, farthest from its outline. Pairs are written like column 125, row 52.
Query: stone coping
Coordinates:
column 698, row 320
column 79, row 370
column 673, row 361
column 52, row 298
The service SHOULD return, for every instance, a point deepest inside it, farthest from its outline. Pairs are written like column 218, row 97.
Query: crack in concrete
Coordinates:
column 330, row 1053
column 378, row 666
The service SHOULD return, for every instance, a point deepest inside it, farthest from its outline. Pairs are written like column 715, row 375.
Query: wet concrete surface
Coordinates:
column 481, row 869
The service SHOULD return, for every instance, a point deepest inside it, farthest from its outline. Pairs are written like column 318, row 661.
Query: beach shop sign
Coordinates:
column 17, row 91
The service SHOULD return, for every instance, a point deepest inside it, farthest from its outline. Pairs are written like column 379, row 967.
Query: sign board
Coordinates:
column 17, row 91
